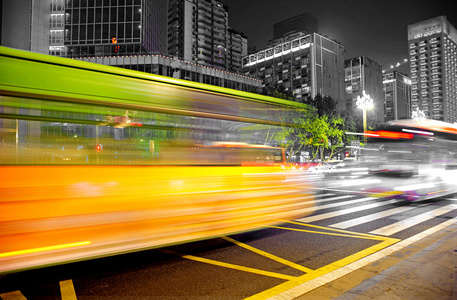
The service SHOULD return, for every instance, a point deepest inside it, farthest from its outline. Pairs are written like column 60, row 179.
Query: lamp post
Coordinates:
column 364, row 103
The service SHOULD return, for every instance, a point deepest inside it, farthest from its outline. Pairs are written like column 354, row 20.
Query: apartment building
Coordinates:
column 433, row 67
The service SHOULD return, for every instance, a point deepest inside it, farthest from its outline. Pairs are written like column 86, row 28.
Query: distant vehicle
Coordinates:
column 421, row 153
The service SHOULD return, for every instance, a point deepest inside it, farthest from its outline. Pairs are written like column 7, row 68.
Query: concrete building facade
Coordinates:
column 26, row 25
column 307, row 66
column 397, row 96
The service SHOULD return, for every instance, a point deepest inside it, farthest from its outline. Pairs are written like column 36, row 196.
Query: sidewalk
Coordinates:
column 426, row 269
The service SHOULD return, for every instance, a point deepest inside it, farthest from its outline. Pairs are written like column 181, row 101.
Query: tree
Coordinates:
column 325, row 133
column 324, row 105
column 320, row 130
column 278, row 91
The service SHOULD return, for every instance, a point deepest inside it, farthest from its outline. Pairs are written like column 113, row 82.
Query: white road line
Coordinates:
column 334, row 198
column 339, row 204
column 407, row 223
column 344, row 191
column 322, row 195
column 345, row 211
column 372, row 217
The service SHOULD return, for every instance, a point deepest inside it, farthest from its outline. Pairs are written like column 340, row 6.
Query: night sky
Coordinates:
column 376, row 29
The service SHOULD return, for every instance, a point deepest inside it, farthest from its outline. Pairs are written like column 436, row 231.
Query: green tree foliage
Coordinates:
column 320, row 131
column 324, row 105
column 278, row 91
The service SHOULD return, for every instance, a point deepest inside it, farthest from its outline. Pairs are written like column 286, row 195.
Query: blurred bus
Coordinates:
column 418, row 159
column 98, row 160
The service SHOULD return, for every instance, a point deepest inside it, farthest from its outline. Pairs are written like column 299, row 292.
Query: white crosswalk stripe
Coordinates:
column 339, row 204
column 407, row 223
column 372, row 217
column 334, row 198
column 345, row 211
column 389, row 230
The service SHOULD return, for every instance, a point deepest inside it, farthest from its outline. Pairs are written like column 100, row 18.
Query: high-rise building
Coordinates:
column 433, row 67
column 307, row 66
column 397, row 96
column 198, row 31
column 25, row 25
column 303, row 23
column 112, row 27
column 364, row 74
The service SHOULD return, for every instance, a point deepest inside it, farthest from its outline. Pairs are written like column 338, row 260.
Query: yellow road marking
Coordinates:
column 335, row 230
column 330, row 233
column 385, row 194
column 67, row 290
column 16, row 295
column 270, row 256
column 5, row 254
column 235, row 267
column 385, row 242
column 310, row 274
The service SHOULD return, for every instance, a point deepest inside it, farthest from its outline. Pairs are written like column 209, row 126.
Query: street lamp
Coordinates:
column 364, row 103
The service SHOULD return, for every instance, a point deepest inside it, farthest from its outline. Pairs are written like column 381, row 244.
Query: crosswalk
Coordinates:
column 332, row 208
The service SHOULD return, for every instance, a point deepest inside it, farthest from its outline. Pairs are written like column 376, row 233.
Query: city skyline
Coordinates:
column 375, row 29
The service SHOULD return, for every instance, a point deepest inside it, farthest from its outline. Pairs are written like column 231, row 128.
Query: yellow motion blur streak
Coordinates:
column 5, row 254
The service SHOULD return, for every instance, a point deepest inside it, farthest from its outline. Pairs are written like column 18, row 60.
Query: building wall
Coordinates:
column 397, row 96
column 306, row 66
column 433, row 67
column 364, row 74
column 25, row 25
column 176, row 68
column 39, row 39
column 329, row 70
column 155, row 31
column 188, row 42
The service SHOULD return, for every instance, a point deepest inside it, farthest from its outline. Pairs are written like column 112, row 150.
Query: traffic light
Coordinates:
column 114, row 41
column 346, row 154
